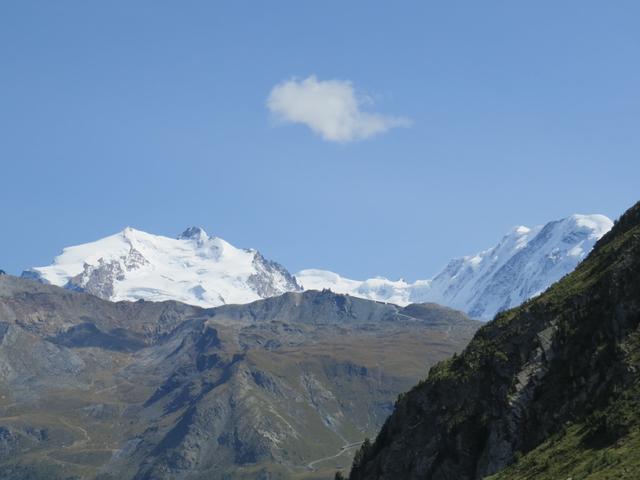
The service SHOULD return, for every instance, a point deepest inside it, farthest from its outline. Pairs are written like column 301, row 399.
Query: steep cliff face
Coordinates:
column 548, row 389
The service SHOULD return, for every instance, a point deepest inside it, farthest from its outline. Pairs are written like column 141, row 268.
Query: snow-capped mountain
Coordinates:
column 523, row 264
column 204, row 270
column 195, row 268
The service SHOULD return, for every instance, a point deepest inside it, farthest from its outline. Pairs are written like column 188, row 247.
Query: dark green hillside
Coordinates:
column 548, row 390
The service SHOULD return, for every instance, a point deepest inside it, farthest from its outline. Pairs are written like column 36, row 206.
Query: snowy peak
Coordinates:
column 193, row 268
column 596, row 225
column 193, row 232
column 523, row 264
column 197, row 234
column 205, row 270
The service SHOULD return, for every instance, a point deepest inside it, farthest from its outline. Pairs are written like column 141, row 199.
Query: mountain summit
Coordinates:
column 193, row 233
column 523, row 264
column 195, row 268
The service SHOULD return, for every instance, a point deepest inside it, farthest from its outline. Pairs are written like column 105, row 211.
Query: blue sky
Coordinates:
column 154, row 114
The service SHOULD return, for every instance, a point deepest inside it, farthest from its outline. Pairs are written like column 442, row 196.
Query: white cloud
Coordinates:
column 330, row 108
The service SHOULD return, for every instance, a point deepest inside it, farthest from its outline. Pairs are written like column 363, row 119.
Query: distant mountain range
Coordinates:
column 207, row 271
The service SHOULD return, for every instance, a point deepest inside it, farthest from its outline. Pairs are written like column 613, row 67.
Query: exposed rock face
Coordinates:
column 536, row 389
column 266, row 270
column 94, row 389
column 100, row 279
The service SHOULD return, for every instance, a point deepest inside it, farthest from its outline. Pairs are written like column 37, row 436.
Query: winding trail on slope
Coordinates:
column 344, row 449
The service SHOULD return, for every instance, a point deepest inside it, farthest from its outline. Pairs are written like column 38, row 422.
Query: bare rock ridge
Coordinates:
column 547, row 390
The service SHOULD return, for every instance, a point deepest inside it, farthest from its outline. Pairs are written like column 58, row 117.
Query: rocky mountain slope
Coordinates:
column 279, row 388
column 195, row 268
column 548, row 390
column 523, row 264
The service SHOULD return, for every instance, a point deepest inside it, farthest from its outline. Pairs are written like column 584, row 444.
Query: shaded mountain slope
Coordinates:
column 94, row 389
column 550, row 389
